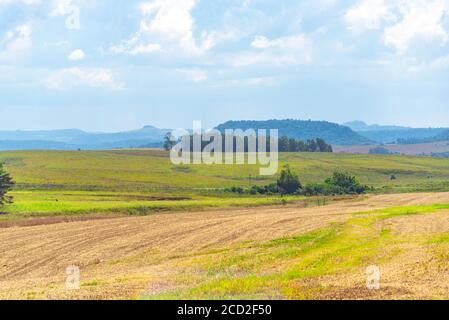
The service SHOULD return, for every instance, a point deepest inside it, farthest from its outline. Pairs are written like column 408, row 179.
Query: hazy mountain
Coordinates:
column 303, row 130
column 73, row 139
column 442, row 136
column 51, row 135
column 147, row 134
column 12, row 145
column 152, row 137
column 362, row 126
column 394, row 134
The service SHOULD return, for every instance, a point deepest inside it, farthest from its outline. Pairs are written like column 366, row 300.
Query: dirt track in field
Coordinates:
column 127, row 252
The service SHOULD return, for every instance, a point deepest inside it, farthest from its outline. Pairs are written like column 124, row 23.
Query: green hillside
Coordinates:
column 137, row 170
column 145, row 181
column 303, row 130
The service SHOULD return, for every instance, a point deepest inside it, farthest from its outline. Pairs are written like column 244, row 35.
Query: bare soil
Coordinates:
column 126, row 256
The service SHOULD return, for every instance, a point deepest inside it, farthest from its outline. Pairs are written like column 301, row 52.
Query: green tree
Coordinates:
column 323, row 146
column 6, row 185
column 168, row 143
column 293, row 145
column 312, row 146
column 288, row 182
column 347, row 183
column 283, row 144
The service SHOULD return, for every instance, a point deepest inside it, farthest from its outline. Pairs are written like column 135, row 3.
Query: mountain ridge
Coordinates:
column 73, row 139
column 390, row 134
column 152, row 137
column 332, row 133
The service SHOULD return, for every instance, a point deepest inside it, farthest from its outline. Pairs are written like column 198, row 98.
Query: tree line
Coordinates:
column 285, row 144
column 312, row 145
column 288, row 183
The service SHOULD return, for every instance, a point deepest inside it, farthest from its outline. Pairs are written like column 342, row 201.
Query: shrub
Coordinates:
column 237, row 190
column 6, row 185
column 346, row 183
column 288, row 182
column 380, row 151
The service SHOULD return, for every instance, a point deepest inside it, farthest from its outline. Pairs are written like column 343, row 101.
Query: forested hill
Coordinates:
column 303, row 130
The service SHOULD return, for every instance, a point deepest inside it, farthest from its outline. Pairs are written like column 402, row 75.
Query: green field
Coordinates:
column 315, row 248
column 143, row 181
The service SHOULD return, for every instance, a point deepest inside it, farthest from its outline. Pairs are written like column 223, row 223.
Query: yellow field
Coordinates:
column 143, row 182
column 140, row 228
column 288, row 252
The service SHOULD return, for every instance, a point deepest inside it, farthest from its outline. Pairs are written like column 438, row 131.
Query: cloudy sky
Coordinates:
column 105, row 65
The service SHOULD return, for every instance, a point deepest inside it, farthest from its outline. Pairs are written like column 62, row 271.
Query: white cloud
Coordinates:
column 369, row 14
column 76, row 77
column 252, row 58
column 438, row 64
column 247, row 82
column 401, row 22
column 172, row 22
column 284, row 51
column 77, row 55
column 420, row 20
column 196, row 75
column 61, row 8
column 145, row 48
column 168, row 26
column 292, row 42
column 441, row 62
column 169, row 17
column 26, row 2
column 16, row 43
column 260, row 81
column 133, row 46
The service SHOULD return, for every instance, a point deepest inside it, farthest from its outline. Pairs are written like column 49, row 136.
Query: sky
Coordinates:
column 102, row 65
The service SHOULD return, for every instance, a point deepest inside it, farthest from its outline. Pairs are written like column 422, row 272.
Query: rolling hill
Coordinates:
column 395, row 134
column 74, row 139
column 303, row 130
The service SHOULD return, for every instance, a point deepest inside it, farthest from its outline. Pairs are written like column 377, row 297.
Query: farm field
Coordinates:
column 271, row 252
column 140, row 182
column 406, row 149
column 140, row 228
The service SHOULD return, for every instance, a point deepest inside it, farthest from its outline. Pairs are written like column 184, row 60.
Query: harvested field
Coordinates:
column 407, row 149
column 148, row 256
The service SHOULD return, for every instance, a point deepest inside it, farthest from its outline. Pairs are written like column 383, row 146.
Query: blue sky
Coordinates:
column 100, row 65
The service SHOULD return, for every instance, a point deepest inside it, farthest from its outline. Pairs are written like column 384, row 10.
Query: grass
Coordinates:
column 405, row 211
column 141, row 182
column 149, row 170
column 441, row 239
column 294, row 267
column 65, row 203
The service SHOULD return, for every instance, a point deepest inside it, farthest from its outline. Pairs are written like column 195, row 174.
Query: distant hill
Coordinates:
column 303, row 130
column 74, row 139
column 396, row 134
column 417, row 135
column 362, row 126
column 50, row 135
column 10, row 145
column 151, row 137
column 443, row 136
